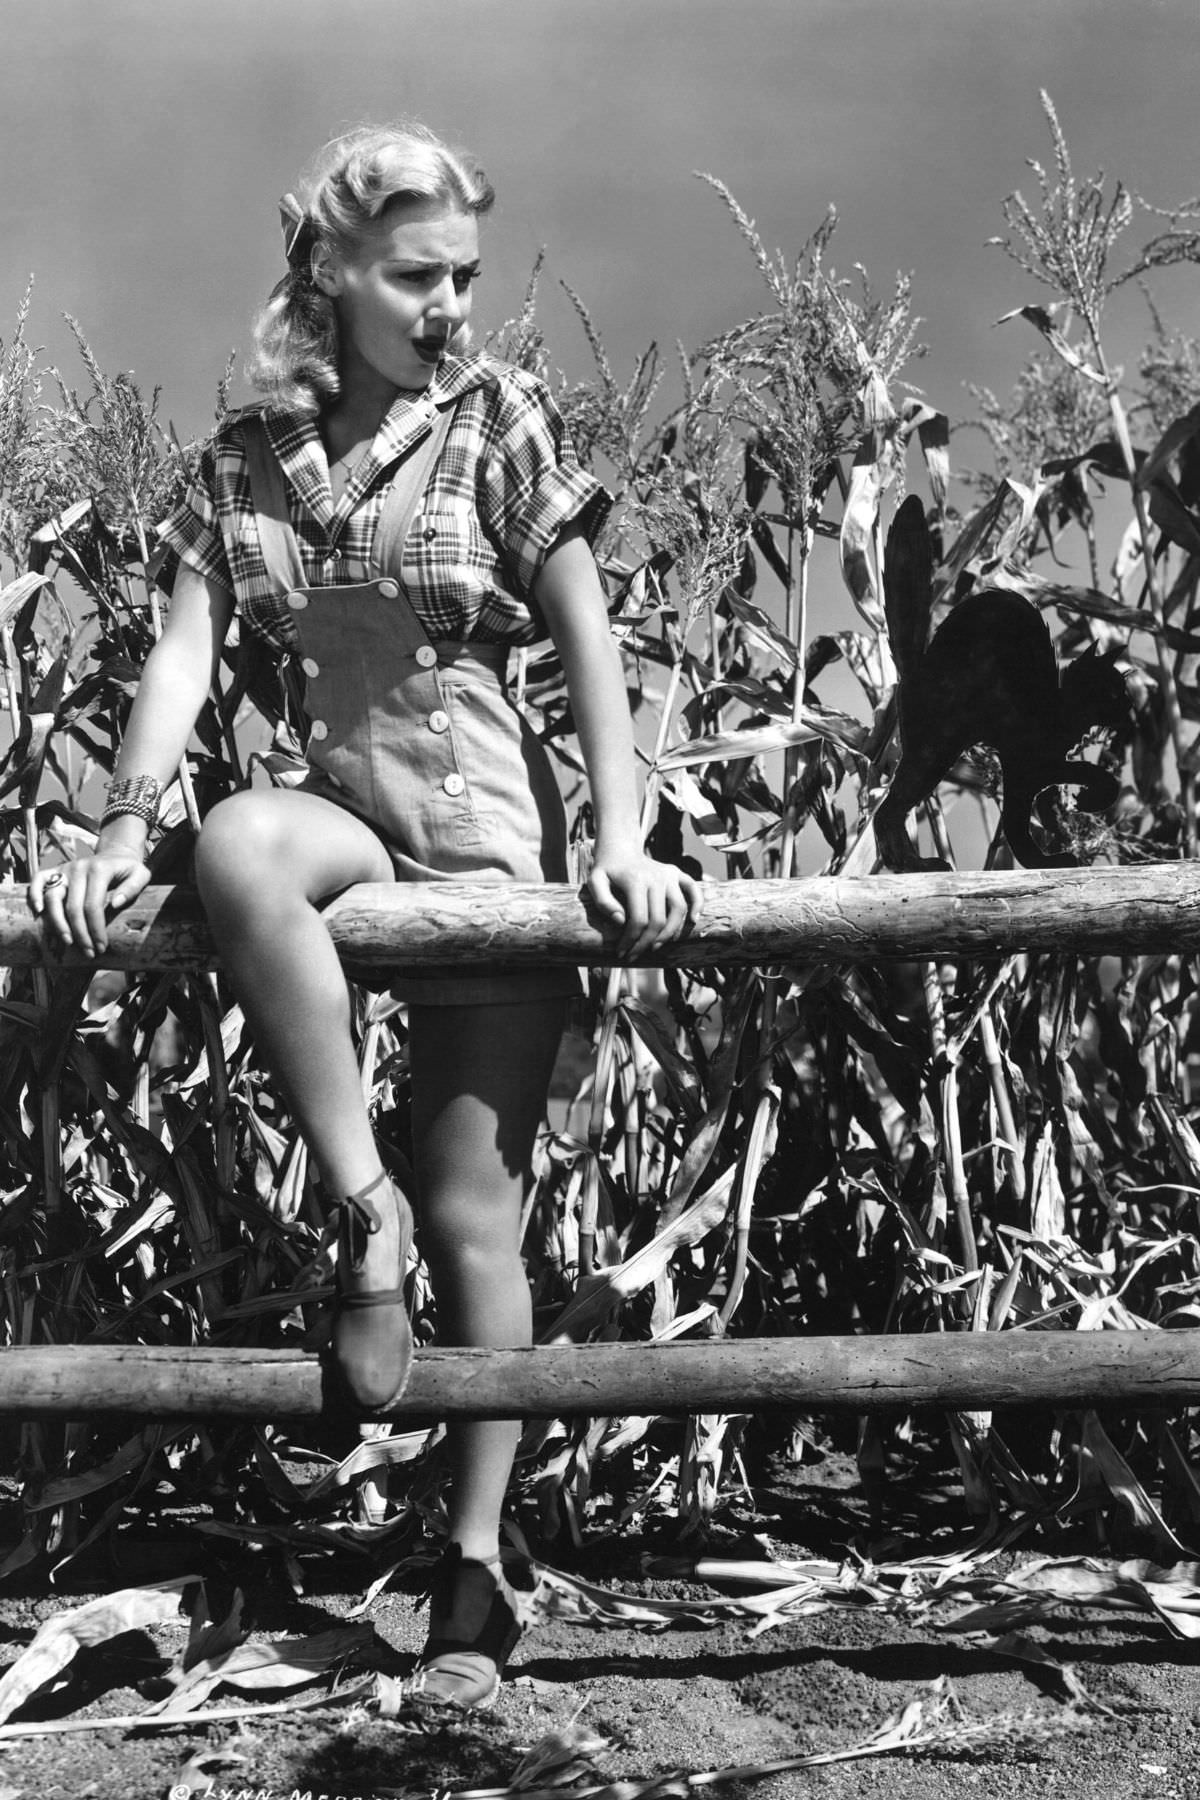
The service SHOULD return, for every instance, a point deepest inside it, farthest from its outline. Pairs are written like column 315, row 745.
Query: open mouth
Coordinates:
column 429, row 349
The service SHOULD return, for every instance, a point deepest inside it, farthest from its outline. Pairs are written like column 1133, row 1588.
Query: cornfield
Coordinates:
column 979, row 1146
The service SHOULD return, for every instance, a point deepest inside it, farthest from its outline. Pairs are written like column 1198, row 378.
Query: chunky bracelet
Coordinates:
column 137, row 795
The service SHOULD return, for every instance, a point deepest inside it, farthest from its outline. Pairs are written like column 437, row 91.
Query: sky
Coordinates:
column 144, row 144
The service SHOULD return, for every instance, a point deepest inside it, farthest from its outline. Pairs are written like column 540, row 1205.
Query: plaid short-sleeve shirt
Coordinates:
column 505, row 485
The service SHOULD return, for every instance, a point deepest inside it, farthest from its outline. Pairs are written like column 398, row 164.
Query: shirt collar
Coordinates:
column 301, row 454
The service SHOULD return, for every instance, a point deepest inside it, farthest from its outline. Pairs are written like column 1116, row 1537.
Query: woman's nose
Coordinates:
column 446, row 302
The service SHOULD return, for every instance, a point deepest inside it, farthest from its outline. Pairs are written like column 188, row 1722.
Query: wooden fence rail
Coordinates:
column 1146, row 908
column 961, row 1370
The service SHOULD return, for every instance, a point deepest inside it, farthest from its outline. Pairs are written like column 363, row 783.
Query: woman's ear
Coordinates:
column 326, row 271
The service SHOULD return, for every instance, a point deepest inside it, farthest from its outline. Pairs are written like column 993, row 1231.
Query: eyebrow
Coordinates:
column 416, row 264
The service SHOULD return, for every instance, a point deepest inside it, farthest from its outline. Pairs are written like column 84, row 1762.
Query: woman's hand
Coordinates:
column 651, row 902
column 75, row 901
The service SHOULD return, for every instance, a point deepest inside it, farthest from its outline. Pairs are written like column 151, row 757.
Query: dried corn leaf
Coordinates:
column 727, row 746
column 1098, row 1450
column 758, row 624
column 58, row 1640
column 678, row 1070
column 345, row 1696
column 1034, row 1593
column 936, row 1719
column 562, row 1757
column 564, row 1597
column 1042, row 318
column 208, row 1638
column 261, row 1668
column 14, row 596
column 145, row 1220
column 803, row 1589
column 933, row 434
column 130, row 1455
column 612, row 1288
column 333, row 1539
column 370, row 1453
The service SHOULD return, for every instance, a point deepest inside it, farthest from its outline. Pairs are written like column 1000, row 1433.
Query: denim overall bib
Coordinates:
column 417, row 737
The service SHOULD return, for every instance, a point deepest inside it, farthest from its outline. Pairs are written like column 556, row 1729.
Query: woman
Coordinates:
column 390, row 520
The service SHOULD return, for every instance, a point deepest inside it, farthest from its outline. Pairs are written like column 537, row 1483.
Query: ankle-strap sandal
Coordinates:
column 474, row 1625
column 371, row 1345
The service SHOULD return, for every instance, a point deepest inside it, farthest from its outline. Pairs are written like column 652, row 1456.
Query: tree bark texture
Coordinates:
column 961, row 1371
column 1143, row 908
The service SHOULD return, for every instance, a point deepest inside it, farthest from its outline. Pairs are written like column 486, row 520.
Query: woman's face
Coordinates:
column 404, row 292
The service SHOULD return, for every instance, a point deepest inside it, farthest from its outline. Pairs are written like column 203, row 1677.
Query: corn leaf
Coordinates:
column 60, row 1638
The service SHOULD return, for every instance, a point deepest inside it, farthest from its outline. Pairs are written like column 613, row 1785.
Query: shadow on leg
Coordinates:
column 480, row 1078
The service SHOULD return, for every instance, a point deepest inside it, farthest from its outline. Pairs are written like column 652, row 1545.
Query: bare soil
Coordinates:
column 688, row 1700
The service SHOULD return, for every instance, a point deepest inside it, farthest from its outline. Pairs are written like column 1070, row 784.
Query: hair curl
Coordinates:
column 355, row 177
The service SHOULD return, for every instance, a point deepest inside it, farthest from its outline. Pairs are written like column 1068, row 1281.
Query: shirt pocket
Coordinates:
column 448, row 563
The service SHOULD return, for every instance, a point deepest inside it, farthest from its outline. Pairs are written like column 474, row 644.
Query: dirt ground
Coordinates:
column 684, row 1700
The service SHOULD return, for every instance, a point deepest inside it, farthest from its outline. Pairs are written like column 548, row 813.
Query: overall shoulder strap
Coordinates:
column 404, row 495
column 281, row 552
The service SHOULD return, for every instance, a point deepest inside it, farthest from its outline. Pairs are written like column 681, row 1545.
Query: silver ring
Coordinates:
column 53, row 880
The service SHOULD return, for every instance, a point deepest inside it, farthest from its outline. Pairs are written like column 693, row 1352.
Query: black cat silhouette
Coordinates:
column 987, row 676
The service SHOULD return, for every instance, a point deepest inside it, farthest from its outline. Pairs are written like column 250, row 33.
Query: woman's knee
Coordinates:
column 481, row 1296
column 473, row 1244
column 273, row 847
column 238, row 849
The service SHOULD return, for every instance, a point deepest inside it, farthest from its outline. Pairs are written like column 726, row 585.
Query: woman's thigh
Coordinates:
column 278, row 840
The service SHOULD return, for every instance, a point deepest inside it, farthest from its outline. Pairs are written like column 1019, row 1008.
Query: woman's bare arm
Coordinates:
column 651, row 901
column 175, row 682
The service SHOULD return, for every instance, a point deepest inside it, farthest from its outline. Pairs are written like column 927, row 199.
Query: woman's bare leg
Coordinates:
column 480, row 1077
column 264, row 862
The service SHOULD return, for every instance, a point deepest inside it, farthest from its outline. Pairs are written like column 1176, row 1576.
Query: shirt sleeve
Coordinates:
column 533, row 485
column 191, row 535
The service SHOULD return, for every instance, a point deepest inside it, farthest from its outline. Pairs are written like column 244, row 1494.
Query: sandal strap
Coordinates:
column 501, row 1627
column 357, row 1220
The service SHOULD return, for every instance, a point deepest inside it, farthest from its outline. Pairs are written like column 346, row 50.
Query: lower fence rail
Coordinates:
column 957, row 1371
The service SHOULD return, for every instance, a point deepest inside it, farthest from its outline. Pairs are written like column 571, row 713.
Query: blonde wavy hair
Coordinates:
column 295, row 357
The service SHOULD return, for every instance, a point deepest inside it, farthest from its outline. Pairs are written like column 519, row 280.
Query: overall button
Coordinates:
column 429, row 533
column 309, row 666
column 389, row 589
column 297, row 601
column 426, row 656
column 319, row 729
column 454, row 784
column 439, row 721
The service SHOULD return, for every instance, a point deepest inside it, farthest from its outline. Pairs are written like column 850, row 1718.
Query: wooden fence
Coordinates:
column 785, row 924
